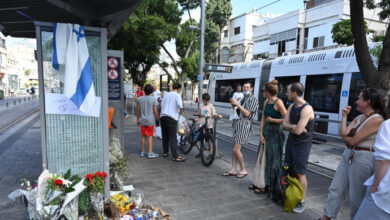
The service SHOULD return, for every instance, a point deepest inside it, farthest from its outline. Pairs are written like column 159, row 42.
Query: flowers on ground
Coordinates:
column 95, row 182
column 122, row 203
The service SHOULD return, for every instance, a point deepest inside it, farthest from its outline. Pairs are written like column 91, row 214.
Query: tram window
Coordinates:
column 323, row 92
column 283, row 83
column 357, row 85
column 224, row 89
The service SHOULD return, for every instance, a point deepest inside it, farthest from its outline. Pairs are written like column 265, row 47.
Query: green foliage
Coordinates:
column 153, row 23
column 342, row 32
column 379, row 38
column 218, row 13
column 383, row 4
column 377, row 52
column 185, row 36
column 212, row 36
column 190, row 65
column 189, row 4
column 27, row 72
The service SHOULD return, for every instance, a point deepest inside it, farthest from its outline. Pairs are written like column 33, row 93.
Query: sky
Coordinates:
column 279, row 7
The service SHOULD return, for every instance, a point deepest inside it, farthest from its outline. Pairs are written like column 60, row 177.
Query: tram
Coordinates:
column 331, row 78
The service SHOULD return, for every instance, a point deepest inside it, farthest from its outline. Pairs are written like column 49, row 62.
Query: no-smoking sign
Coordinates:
column 113, row 62
column 113, row 74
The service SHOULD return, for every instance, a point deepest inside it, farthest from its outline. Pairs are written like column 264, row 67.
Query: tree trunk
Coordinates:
column 374, row 78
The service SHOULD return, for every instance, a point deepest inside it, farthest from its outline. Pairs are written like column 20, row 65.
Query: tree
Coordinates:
column 27, row 72
column 342, row 32
column 373, row 77
column 218, row 12
column 153, row 23
column 211, row 39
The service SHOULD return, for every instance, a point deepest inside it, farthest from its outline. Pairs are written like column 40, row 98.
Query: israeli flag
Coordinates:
column 70, row 49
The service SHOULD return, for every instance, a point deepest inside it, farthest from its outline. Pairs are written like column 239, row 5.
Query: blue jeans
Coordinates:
column 368, row 209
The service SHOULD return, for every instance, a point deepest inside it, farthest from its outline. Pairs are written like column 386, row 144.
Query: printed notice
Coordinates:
column 56, row 103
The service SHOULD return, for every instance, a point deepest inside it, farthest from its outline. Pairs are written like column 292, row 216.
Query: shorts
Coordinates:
column 147, row 130
column 297, row 156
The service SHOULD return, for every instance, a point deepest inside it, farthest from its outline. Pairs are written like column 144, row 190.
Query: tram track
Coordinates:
column 18, row 120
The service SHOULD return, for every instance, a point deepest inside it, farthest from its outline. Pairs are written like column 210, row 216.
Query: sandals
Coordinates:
column 179, row 159
column 229, row 174
column 260, row 191
column 252, row 187
column 240, row 175
column 165, row 155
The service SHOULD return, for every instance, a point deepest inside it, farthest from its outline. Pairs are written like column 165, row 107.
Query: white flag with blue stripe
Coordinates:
column 70, row 49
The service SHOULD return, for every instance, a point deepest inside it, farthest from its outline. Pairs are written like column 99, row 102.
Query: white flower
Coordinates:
column 65, row 182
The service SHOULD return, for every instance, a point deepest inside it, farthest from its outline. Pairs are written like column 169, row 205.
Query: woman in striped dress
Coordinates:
column 246, row 111
column 268, row 164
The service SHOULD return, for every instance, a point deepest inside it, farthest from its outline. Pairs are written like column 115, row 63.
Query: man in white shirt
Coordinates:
column 171, row 108
column 156, row 93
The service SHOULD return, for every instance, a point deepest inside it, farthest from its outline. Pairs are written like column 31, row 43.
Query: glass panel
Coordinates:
column 72, row 141
column 283, row 83
column 224, row 89
column 357, row 85
column 323, row 92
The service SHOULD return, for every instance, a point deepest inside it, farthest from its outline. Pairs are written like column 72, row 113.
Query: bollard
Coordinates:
column 6, row 104
column 20, row 100
column 28, row 98
column 14, row 102
column 24, row 99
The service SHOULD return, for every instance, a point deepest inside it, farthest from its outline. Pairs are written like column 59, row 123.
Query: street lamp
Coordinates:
column 200, row 76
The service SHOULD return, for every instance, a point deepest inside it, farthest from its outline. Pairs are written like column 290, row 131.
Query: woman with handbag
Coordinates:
column 357, row 163
column 268, row 164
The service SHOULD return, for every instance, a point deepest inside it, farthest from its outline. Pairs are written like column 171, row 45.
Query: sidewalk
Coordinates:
column 12, row 113
column 321, row 154
column 190, row 190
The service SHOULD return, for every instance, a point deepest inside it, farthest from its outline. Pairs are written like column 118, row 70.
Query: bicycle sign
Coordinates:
column 113, row 62
column 113, row 74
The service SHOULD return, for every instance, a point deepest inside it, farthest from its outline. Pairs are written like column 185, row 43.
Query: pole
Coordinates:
column 200, row 76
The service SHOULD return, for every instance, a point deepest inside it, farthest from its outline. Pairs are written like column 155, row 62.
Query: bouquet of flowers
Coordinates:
column 95, row 183
column 54, row 196
column 120, row 205
column 118, row 163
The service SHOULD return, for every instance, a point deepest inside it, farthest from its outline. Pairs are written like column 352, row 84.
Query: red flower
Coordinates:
column 98, row 173
column 89, row 176
column 104, row 174
column 58, row 182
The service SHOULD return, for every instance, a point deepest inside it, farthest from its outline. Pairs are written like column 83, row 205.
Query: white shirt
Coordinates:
column 171, row 105
column 382, row 152
column 157, row 94
column 238, row 95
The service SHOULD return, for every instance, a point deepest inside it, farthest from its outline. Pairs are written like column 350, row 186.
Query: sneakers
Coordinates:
column 300, row 207
column 142, row 154
column 152, row 155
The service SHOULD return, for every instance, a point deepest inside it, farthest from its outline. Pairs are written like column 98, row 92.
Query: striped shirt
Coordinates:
column 250, row 103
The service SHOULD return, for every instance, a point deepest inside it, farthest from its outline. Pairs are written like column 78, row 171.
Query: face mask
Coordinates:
column 247, row 93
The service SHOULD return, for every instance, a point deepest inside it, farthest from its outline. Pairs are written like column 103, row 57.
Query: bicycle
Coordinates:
column 204, row 135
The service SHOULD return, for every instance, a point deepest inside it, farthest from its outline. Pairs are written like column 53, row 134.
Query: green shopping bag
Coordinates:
column 294, row 194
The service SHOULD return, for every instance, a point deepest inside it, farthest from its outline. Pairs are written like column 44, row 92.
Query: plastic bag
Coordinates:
column 182, row 126
column 233, row 116
column 294, row 194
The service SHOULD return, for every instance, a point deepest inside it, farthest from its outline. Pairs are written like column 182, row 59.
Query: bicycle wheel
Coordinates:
column 185, row 144
column 207, row 150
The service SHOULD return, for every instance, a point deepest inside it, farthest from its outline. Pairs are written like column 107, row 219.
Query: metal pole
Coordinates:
column 200, row 76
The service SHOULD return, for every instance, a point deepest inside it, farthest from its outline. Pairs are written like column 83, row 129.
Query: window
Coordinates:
column 323, row 92
column 357, row 85
column 318, row 42
column 236, row 30
column 225, row 55
column 283, row 83
column 226, row 33
column 281, row 47
column 224, row 89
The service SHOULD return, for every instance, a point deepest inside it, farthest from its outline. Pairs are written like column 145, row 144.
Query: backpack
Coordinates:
column 279, row 191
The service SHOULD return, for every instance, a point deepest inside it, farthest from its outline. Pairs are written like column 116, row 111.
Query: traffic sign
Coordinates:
column 218, row 68
column 113, row 74
column 113, row 62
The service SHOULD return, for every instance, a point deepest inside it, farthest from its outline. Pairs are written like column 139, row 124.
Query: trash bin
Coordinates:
column 1, row 94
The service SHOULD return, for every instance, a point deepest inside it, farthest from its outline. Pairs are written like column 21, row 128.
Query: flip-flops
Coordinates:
column 240, row 175
column 228, row 174
column 260, row 191
column 179, row 159
column 252, row 187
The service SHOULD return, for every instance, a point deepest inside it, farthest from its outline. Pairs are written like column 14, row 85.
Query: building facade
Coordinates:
column 298, row 31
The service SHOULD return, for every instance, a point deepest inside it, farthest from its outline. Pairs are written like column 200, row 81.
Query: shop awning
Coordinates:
column 17, row 16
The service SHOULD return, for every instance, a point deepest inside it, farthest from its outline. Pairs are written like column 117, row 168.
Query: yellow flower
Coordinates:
column 128, row 206
column 122, row 210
